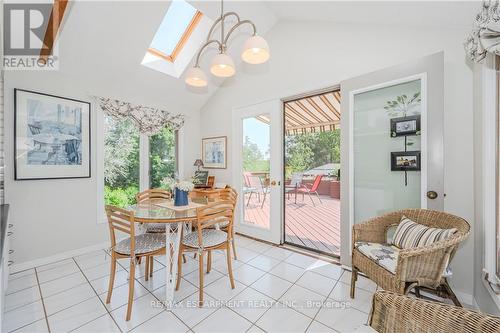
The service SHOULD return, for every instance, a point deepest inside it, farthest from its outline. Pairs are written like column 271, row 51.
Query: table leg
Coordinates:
column 173, row 240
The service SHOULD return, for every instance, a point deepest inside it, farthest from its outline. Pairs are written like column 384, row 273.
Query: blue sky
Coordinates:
column 258, row 133
column 173, row 25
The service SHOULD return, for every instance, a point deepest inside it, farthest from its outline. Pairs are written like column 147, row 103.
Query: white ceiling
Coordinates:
column 416, row 13
column 104, row 42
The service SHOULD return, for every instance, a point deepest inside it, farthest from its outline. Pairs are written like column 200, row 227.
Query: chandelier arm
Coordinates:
column 236, row 26
column 214, row 25
column 200, row 51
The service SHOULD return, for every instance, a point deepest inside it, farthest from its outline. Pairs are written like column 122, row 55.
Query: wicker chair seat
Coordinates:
column 155, row 227
column 385, row 255
column 143, row 244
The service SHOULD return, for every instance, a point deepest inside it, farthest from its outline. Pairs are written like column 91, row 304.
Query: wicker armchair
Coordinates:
column 393, row 313
column 419, row 268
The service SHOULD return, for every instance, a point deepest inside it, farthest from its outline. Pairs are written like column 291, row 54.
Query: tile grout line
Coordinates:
column 100, row 300
column 41, row 298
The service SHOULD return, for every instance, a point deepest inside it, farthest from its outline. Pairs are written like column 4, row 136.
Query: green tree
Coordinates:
column 161, row 156
column 253, row 159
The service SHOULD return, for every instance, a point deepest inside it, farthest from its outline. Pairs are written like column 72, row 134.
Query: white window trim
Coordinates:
column 489, row 88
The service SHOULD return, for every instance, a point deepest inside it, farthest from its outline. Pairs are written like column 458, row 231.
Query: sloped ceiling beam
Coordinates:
column 56, row 17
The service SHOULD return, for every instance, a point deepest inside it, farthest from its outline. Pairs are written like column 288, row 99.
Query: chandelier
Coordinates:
column 255, row 51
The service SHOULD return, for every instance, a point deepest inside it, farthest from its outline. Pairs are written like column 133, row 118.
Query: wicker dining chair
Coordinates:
column 132, row 247
column 420, row 268
column 207, row 239
column 230, row 194
column 394, row 313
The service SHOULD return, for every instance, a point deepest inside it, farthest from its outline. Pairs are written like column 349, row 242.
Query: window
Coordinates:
column 121, row 162
column 162, row 156
column 125, row 166
column 174, row 31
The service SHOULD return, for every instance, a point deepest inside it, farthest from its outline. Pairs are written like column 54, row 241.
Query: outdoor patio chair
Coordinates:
column 295, row 183
column 314, row 189
column 410, row 265
column 257, row 187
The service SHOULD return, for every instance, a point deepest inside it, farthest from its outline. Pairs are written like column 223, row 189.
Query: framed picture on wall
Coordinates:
column 405, row 161
column 51, row 136
column 405, row 126
column 214, row 152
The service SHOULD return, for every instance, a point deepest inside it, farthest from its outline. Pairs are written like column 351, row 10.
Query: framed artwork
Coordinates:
column 214, row 152
column 200, row 178
column 405, row 126
column 51, row 136
column 405, row 161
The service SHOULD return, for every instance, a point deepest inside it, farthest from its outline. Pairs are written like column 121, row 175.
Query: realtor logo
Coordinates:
column 24, row 32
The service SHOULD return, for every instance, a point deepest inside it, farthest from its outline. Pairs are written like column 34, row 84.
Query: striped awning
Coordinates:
column 320, row 113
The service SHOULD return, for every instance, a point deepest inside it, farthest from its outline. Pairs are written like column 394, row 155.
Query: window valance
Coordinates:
column 485, row 36
column 148, row 119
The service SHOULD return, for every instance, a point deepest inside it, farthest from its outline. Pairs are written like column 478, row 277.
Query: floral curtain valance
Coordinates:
column 485, row 36
column 149, row 120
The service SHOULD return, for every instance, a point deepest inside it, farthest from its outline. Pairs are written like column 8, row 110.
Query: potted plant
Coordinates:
column 181, row 192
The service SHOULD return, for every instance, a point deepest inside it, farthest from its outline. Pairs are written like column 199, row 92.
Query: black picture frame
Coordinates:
column 411, row 162
column 405, row 126
column 200, row 178
column 86, row 167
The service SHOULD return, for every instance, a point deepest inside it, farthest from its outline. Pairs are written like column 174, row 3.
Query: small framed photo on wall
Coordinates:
column 405, row 126
column 214, row 152
column 51, row 136
column 405, row 161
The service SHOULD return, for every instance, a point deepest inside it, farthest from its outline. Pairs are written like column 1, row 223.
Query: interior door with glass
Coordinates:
column 392, row 151
column 257, row 161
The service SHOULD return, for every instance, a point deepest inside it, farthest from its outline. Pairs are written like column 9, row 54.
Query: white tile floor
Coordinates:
column 276, row 291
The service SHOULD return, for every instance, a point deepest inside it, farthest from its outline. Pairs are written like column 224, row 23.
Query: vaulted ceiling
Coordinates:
column 102, row 43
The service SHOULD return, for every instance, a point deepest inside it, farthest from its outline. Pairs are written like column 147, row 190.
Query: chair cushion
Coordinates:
column 410, row 234
column 386, row 255
column 210, row 237
column 143, row 244
column 155, row 227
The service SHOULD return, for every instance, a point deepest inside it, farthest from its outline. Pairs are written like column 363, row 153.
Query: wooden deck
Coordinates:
column 316, row 227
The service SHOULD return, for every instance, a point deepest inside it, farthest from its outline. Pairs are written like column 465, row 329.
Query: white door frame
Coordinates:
column 274, row 108
column 423, row 143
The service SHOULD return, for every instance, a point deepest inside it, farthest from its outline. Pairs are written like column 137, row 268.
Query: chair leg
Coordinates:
column 179, row 269
column 184, row 258
column 111, row 278
column 249, row 197
column 146, row 276
column 310, row 197
column 317, row 194
column 263, row 201
column 229, row 265
column 451, row 294
column 354, row 278
column 234, row 249
column 131, row 281
column 417, row 292
column 209, row 261
column 151, row 265
column 201, row 272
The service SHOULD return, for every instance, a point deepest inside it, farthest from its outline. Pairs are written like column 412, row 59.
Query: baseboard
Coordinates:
column 57, row 257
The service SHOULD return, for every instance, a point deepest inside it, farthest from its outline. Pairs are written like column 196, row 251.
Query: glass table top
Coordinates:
column 151, row 210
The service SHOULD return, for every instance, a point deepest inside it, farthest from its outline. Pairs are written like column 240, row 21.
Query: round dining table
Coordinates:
column 164, row 211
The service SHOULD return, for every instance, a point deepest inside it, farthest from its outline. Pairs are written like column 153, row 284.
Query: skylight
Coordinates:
column 175, row 29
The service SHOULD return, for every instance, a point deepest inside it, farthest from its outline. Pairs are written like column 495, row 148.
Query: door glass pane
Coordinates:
column 256, row 167
column 312, row 170
column 121, row 162
column 387, row 164
column 162, row 159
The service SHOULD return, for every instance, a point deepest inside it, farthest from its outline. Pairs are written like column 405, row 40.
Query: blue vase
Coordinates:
column 181, row 197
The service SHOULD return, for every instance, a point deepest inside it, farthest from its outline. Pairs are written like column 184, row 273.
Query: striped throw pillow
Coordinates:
column 410, row 234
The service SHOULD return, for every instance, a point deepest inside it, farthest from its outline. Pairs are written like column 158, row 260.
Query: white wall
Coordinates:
column 55, row 216
column 309, row 55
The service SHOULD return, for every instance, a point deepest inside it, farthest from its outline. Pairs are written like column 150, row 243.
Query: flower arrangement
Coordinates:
column 184, row 186
column 167, row 183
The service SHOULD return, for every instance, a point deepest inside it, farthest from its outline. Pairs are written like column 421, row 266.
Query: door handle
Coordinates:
column 274, row 183
column 432, row 195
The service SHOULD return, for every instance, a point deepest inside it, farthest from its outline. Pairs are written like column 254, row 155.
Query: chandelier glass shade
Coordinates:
column 255, row 51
